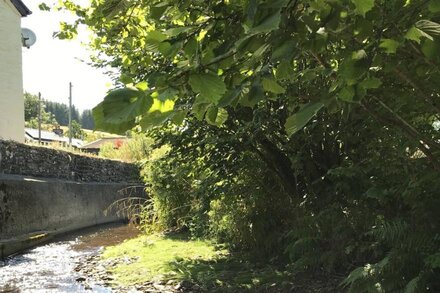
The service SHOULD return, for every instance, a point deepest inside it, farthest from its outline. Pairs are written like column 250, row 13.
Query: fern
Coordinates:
column 391, row 232
column 412, row 285
column 433, row 261
column 306, row 245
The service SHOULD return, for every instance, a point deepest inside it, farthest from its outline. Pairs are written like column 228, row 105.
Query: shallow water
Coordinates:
column 51, row 267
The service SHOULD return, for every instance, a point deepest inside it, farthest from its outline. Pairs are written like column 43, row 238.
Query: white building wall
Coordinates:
column 11, row 80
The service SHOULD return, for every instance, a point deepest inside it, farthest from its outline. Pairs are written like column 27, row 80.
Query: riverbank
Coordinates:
column 174, row 263
column 50, row 268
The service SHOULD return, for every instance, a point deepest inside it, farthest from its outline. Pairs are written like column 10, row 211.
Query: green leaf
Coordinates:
column 216, row 116
column 347, row 94
column 229, row 97
column 376, row 193
column 156, row 36
column 431, row 49
column 154, row 119
column 371, row 83
column 179, row 116
column 284, row 70
column 284, row 51
column 363, row 6
column 211, row 87
column 190, row 47
column 156, row 12
column 269, row 24
column 199, row 110
column 158, row 114
column 255, row 95
column 260, row 51
column 101, row 124
column 423, row 28
column 162, row 106
column 390, row 46
column 413, row 285
column 271, row 85
column 168, row 94
column 143, row 85
column 358, row 55
column 43, row 7
column 416, row 34
column 298, row 120
column 173, row 32
column 164, row 48
column 125, row 79
column 434, row 6
column 125, row 104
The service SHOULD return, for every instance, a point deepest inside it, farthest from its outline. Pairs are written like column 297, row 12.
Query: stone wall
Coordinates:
column 46, row 192
column 21, row 159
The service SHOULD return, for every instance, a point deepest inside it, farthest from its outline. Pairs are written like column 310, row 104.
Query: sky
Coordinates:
column 50, row 64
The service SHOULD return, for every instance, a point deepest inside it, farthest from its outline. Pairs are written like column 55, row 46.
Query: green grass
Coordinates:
column 198, row 261
column 156, row 255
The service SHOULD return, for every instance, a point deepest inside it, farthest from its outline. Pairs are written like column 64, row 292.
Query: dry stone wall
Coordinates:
column 21, row 159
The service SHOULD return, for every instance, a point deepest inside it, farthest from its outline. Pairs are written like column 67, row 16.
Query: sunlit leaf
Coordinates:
column 363, row 6
column 125, row 105
column 101, row 124
column 390, row 46
column 416, row 34
column 298, row 120
column 358, row 55
column 154, row 119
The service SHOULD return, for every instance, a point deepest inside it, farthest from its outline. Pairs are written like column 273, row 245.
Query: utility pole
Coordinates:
column 39, row 118
column 70, row 114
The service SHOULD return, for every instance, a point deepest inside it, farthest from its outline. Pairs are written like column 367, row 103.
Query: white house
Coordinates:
column 11, row 79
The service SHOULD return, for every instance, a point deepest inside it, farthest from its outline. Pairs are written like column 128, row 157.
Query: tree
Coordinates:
column 274, row 49
column 333, row 100
column 59, row 110
column 31, row 104
column 77, row 132
column 87, row 121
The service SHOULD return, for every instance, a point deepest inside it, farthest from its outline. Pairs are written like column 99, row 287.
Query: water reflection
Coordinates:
column 51, row 267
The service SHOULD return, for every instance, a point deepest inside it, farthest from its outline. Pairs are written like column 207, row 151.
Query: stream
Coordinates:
column 51, row 267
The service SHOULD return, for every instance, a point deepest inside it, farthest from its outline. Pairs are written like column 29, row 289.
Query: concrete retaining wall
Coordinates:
column 66, row 192
column 35, row 209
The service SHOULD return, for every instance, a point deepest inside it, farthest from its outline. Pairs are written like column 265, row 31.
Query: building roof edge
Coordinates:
column 21, row 7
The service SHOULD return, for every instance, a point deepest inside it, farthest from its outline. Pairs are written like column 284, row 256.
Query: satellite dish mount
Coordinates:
column 28, row 37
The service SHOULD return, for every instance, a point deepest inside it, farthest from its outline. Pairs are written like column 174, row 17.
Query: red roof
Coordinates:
column 97, row 144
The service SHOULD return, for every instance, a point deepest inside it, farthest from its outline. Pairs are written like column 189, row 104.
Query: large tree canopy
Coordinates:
column 302, row 128
column 207, row 58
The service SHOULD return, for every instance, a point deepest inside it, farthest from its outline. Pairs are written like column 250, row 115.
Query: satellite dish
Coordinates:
column 28, row 37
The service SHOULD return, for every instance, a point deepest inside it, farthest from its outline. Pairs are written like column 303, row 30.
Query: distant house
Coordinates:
column 11, row 79
column 95, row 146
column 50, row 138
